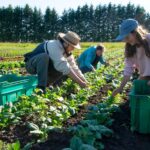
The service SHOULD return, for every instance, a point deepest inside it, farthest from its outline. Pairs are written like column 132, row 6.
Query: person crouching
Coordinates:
column 89, row 59
column 52, row 59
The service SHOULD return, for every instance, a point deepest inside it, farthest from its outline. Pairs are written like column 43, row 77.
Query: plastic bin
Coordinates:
column 141, row 87
column 12, row 86
column 140, row 107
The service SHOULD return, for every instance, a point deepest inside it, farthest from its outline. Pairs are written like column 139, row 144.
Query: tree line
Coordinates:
column 91, row 23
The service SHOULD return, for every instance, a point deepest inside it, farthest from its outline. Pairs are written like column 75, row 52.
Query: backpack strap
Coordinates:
column 46, row 47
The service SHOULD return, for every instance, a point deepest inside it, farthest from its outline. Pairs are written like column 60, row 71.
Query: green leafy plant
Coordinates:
column 12, row 146
column 43, row 113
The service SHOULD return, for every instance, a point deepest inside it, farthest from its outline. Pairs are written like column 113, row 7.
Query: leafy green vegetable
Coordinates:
column 48, row 112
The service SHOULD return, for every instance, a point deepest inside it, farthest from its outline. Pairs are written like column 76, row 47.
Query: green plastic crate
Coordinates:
column 12, row 86
column 140, row 109
column 141, row 87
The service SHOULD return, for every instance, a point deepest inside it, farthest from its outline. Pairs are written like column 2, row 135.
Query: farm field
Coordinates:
column 19, row 49
column 12, row 54
column 69, row 117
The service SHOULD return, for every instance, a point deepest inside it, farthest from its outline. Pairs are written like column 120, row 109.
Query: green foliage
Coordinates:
column 12, row 146
column 44, row 113
column 11, row 65
column 11, row 50
column 93, row 24
column 93, row 127
column 77, row 144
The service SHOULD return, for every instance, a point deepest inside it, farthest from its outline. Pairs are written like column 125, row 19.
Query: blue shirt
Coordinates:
column 87, row 58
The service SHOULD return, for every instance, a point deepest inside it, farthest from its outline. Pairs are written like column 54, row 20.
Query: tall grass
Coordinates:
column 19, row 49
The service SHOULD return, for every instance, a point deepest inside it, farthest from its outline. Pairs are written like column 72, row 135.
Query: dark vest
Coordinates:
column 52, row 72
column 38, row 50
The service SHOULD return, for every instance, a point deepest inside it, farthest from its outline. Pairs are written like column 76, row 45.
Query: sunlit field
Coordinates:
column 19, row 49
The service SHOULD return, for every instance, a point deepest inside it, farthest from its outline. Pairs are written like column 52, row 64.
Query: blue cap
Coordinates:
column 126, row 27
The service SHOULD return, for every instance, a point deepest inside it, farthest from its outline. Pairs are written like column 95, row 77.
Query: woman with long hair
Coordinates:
column 137, row 51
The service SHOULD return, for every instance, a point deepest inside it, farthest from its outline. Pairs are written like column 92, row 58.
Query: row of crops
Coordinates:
column 32, row 119
column 13, row 61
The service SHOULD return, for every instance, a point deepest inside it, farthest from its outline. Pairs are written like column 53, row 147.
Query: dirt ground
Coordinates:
column 123, row 138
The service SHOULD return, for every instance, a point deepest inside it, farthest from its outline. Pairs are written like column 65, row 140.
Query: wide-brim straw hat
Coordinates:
column 71, row 38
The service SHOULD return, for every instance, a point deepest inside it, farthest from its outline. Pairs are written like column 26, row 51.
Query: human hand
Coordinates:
column 83, row 84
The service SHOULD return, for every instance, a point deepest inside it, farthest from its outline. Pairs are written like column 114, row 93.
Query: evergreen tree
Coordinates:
column 50, row 23
column 92, row 24
column 17, row 24
column 37, row 26
column 27, row 31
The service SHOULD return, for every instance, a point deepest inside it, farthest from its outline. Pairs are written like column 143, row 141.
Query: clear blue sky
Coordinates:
column 60, row 5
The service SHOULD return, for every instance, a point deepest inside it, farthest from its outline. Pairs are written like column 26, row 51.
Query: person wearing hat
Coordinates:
column 52, row 59
column 89, row 59
column 137, row 51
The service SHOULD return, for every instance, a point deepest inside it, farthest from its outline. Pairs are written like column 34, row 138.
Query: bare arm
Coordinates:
column 75, row 68
column 128, row 70
column 122, row 85
column 75, row 78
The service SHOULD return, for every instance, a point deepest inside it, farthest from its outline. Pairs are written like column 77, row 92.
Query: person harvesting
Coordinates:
column 90, row 58
column 137, row 51
column 52, row 59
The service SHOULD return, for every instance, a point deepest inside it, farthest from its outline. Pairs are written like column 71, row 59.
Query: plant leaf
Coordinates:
column 86, row 147
column 75, row 142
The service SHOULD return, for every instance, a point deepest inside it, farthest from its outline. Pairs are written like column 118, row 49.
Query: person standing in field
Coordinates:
column 137, row 51
column 52, row 59
column 90, row 58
